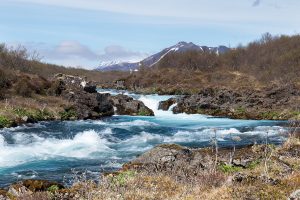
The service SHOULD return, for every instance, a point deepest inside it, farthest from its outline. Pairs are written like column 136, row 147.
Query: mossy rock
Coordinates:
column 145, row 112
column 41, row 185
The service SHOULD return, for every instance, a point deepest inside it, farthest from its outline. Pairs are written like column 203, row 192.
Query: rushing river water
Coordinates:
column 58, row 150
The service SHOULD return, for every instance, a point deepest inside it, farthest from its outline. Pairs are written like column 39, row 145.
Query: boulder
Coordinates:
column 90, row 89
column 165, row 105
column 172, row 157
column 126, row 105
column 90, row 105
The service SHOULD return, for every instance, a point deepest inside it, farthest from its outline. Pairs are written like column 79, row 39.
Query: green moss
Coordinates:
column 229, row 168
column 53, row 188
column 295, row 115
column 253, row 164
column 241, row 111
column 68, row 114
column 144, row 112
column 122, row 178
column 270, row 115
column 5, row 122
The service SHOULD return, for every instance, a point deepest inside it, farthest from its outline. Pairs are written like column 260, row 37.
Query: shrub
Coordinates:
column 24, row 88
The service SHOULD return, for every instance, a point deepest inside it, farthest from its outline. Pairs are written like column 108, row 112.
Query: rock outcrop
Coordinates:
column 126, row 105
column 88, row 104
column 168, row 157
column 270, row 103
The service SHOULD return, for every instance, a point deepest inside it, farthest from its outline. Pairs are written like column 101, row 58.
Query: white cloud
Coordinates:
column 215, row 10
column 116, row 52
column 73, row 53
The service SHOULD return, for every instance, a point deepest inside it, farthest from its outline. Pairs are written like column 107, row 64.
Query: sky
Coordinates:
column 85, row 33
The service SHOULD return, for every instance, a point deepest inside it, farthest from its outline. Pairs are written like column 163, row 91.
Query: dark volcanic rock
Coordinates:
column 170, row 157
column 126, row 105
column 91, row 105
column 270, row 103
column 90, row 89
column 165, row 105
column 88, row 104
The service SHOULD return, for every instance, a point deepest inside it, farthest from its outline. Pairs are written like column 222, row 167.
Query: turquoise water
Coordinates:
column 60, row 150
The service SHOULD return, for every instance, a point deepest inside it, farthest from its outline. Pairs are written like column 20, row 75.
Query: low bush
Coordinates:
column 24, row 88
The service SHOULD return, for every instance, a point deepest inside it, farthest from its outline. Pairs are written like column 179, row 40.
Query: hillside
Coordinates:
column 19, row 60
column 271, row 60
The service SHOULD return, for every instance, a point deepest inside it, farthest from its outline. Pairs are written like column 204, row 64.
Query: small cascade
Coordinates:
column 152, row 102
column 172, row 106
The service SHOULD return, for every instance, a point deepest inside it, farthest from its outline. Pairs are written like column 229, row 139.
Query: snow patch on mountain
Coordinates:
column 156, row 58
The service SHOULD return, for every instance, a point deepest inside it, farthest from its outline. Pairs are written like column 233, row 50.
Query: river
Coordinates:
column 65, row 151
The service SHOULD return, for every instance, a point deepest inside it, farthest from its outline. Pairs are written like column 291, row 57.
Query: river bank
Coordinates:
column 176, row 172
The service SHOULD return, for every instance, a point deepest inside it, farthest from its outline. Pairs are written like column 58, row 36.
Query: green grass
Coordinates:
column 270, row 115
column 53, row 188
column 38, row 115
column 68, row 114
column 4, row 122
column 41, row 115
column 21, row 112
column 253, row 164
column 122, row 178
column 229, row 168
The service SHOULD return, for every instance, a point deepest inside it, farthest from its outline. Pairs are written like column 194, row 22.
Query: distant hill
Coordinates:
column 156, row 58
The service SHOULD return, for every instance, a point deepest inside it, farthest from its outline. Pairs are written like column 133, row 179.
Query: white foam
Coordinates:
column 2, row 141
column 84, row 145
column 137, row 123
column 172, row 106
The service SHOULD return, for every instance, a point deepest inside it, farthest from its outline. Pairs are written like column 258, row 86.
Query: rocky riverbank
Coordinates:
column 273, row 103
column 171, row 171
column 68, row 98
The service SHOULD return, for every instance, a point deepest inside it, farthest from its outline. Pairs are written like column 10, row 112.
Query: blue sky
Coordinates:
column 87, row 32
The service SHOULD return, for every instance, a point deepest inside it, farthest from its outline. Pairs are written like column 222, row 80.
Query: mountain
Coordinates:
column 117, row 66
column 154, row 59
